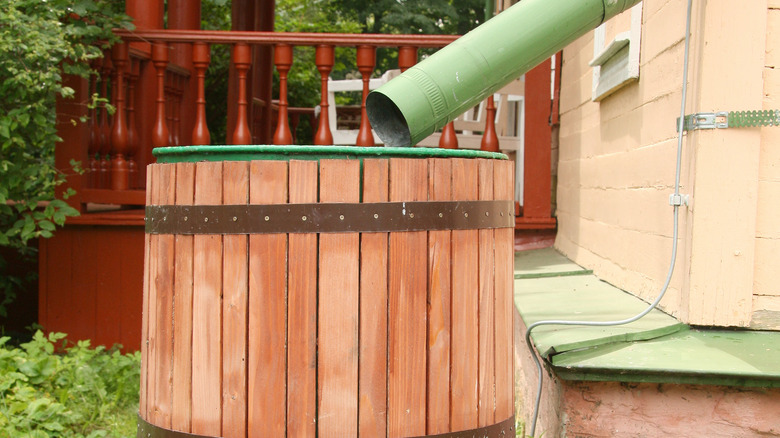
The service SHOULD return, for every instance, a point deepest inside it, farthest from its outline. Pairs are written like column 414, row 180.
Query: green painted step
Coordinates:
column 722, row 357
column 657, row 348
column 545, row 262
column 585, row 297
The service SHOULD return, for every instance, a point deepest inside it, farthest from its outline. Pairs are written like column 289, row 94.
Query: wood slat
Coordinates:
column 465, row 302
column 163, row 302
column 153, row 307
column 372, row 401
column 302, row 311
column 235, row 290
column 181, row 418
column 337, row 366
column 142, row 401
column 487, row 363
column 107, row 310
column 59, row 281
column 439, row 248
column 83, row 291
column 207, row 310
column 130, row 283
column 408, row 277
column 267, row 308
column 503, row 173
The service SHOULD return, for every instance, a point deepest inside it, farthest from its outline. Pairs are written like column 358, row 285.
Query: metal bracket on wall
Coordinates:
column 730, row 119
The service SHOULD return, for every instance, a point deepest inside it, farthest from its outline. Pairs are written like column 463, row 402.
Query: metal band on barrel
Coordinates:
column 504, row 429
column 329, row 217
column 149, row 430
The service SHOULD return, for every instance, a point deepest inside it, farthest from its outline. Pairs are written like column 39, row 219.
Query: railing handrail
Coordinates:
column 288, row 38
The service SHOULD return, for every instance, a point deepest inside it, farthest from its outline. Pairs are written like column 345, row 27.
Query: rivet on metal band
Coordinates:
column 329, row 217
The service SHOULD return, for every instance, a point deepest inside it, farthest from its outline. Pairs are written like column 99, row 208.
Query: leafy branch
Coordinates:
column 40, row 42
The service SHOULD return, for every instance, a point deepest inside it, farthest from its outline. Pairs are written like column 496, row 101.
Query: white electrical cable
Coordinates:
column 674, row 244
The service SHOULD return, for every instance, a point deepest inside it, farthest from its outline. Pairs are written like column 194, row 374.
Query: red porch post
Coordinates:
column 537, row 189
column 147, row 14
column 263, row 68
column 253, row 15
column 185, row 15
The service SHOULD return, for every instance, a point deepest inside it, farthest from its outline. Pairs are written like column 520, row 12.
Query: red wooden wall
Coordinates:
column 91, row 282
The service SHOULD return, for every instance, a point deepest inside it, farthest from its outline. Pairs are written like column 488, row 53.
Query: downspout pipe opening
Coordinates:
column 388, row 120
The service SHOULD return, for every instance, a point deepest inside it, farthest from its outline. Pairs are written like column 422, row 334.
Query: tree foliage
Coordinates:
column 40, row 40
column 430, row 17
column 421, row 17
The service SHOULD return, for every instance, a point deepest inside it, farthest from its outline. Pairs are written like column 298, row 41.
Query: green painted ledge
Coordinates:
column 585, row 297
column 657, row 348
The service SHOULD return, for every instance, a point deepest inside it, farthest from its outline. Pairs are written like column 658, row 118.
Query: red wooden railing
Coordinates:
column 142, row 81
column 167, row 121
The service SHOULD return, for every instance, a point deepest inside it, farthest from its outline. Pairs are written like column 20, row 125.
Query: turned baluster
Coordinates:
column 324, row 59
column 489, row 137
column 120, row 177
column 201, row 56
column 160, row 62
column 283, row 59
column 366, row 59
column 104, row 165
column 132, row 133
column 448, row 138
column 242, row 59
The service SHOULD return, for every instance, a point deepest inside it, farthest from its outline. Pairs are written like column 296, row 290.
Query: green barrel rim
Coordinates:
column 177, row 154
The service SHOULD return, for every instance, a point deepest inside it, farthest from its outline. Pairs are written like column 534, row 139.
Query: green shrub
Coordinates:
column 74, row 391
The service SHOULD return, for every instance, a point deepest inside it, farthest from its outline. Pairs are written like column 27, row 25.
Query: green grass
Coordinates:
column 519, row 428
column 51, row 389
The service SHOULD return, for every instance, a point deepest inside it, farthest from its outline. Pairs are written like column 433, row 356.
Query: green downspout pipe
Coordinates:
column 432, row 93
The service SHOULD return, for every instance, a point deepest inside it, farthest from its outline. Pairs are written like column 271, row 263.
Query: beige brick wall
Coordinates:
column 617, row 163
column 766, row 287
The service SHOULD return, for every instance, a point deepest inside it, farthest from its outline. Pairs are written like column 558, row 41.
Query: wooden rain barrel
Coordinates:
column 327, row 291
